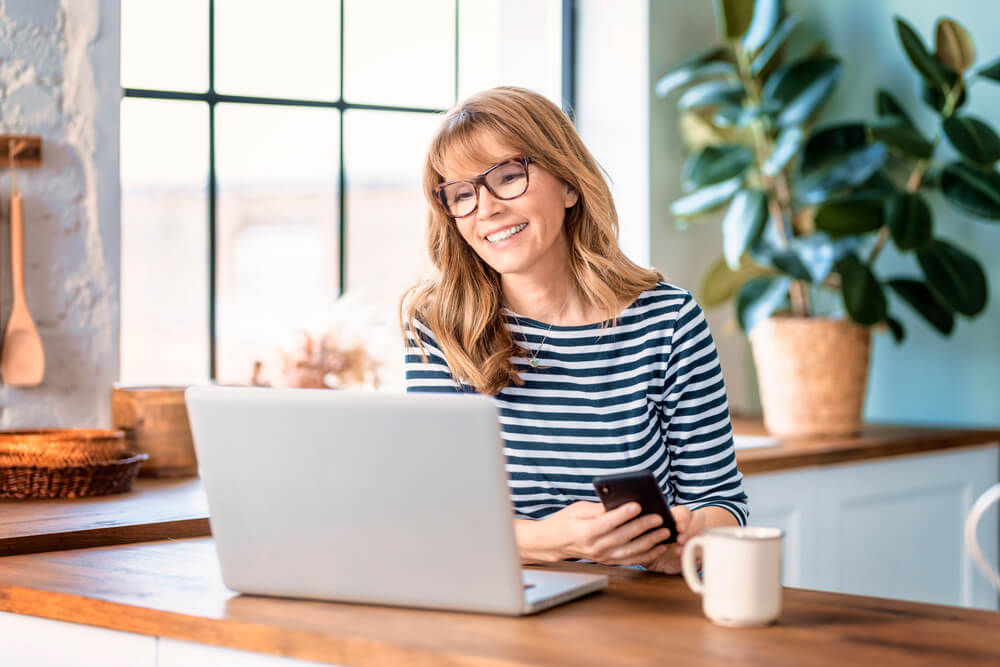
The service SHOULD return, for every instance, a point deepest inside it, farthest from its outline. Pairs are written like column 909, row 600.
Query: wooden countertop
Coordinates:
column 153, row 510
column 171, row 509
column 876, row 441
column 174, row 589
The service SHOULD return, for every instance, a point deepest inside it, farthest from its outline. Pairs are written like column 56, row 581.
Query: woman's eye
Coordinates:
column 510, row 178
column 462, row 196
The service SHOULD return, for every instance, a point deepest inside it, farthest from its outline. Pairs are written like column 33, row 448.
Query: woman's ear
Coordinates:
column 571, row 197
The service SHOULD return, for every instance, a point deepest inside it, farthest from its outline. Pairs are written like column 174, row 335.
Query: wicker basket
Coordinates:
column 65, row 463
column 812, row 373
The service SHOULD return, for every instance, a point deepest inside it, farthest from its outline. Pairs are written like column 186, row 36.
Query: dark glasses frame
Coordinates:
column 481, row 180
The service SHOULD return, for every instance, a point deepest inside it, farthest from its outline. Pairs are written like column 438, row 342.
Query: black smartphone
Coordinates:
column 641, row 487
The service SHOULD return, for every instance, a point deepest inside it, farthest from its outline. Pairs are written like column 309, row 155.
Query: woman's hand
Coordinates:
column 586, row 530
column 689, row 524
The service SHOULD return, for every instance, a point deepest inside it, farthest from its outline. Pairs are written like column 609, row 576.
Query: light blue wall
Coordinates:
column 929, row 378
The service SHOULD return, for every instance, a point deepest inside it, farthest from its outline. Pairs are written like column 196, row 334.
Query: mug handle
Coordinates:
column 972, row 522
column 688, row 565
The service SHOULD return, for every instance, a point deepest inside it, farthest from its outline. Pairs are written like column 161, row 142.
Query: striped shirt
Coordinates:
column 645, row 393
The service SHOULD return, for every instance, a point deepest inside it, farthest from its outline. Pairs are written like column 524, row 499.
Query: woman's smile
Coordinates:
column 504, row 236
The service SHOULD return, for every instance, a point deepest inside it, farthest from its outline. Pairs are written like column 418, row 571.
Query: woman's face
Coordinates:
column 538, row 214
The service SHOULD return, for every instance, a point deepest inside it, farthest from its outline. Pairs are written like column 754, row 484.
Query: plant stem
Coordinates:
column 779, row 201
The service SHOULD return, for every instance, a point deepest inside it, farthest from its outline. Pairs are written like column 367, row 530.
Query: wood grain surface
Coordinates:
column 874, row 442
column 153, row 510
column 174, row 589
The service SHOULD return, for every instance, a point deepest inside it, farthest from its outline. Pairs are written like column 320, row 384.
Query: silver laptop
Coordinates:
column 368, row 497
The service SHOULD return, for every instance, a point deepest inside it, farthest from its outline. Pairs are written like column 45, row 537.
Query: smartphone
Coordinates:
column 641, row 487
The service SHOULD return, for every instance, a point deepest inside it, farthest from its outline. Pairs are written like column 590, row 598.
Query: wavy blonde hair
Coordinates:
column 462, row 303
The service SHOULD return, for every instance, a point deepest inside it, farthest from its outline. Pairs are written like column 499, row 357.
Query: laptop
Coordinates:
column 366, row 497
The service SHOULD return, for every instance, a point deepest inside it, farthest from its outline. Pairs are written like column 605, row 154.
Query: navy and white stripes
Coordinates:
column 646, row 393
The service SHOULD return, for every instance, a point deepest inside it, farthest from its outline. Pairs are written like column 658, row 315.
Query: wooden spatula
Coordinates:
column 22, row 359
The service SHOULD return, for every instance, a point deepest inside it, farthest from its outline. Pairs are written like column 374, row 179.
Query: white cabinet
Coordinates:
column 890, row 528
column 27, row 641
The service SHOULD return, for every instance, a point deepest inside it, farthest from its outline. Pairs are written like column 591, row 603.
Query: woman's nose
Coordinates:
column 488, row 204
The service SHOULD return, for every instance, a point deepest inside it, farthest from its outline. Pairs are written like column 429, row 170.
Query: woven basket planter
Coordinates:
column 812, row 373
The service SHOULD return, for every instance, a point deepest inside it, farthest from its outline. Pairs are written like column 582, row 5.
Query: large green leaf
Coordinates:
column 707, row 198
column 953, row 45
column 973, row 138
column 991, row 71
column 929, row 67
column 973, row 190
column 683, row 72
column 730, row 115
column 831, row 143
column 887, row 105
column 863, row 295
column 909, row 219
column 895, row 133
column 922, row 299
column 743, row 224
column 817, row 252
column 955, row 276
column 713, row 164
column 785, row 148
column 802, row 86
column 849, row 171
column 759, row 298
column 720, row 283
column 688, row 74
column 788, row 262
column 765, row 18
column 733, row 17
column 774, row 44
column 851, row 215
column 708, row 93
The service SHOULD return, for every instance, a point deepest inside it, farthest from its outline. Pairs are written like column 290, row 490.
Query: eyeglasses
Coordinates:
column 505, row 180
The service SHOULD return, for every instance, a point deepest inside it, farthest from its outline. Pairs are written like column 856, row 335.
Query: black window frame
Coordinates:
column 212, row 98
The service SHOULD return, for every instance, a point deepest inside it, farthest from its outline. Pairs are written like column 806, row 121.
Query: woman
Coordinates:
column 597, row 365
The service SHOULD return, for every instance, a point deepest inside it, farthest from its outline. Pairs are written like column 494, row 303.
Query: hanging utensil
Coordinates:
column 22, row 359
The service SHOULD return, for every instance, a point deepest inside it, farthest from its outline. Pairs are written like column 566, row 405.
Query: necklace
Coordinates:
column 533, row 361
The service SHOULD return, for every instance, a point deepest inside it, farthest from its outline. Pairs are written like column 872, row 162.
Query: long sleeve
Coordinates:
column 430, row 373
column 696, row 423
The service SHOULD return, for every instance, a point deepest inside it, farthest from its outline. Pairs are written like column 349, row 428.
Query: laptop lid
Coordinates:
column 367, row 497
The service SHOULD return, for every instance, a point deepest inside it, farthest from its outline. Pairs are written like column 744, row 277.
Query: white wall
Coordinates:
column 59, row 78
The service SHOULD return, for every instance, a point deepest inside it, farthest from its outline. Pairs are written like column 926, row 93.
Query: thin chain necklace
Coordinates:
column 533, row 361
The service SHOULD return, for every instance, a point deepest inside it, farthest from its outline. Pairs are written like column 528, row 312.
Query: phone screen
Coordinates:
column 641, row 487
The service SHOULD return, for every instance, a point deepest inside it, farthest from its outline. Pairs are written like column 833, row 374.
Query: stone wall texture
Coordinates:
column 59, row 78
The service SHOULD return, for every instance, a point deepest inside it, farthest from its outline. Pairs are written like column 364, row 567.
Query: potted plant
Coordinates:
column 810, row 208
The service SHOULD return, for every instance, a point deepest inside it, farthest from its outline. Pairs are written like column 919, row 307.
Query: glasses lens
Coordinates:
column 460, row 199
column 508, row 180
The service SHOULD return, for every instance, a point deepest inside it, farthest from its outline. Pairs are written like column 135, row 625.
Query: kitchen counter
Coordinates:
column 174, row 590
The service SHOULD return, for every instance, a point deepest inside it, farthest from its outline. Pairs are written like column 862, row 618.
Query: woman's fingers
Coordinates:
column 644, row 558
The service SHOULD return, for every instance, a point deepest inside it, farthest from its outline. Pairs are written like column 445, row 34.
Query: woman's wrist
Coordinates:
column 535, row 543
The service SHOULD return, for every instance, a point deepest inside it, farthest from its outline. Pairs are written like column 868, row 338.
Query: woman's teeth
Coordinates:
column 506, row 234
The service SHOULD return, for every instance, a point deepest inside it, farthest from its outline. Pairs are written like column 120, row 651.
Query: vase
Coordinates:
column 812, row 373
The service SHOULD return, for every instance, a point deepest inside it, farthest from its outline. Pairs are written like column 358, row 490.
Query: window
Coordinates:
column 272, row 155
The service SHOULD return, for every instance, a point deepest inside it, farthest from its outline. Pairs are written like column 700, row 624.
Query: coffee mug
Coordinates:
column 741, row 574
column 979, row 508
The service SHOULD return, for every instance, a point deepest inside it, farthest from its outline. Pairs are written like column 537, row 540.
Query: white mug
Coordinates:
column 979, row 508
column 741, row 584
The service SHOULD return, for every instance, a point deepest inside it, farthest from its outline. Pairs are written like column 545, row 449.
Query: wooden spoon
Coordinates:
column 22, row 363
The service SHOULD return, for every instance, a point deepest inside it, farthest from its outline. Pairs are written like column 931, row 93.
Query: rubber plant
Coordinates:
column 810, row 208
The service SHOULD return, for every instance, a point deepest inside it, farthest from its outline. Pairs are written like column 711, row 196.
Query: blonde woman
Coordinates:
column 596, row 364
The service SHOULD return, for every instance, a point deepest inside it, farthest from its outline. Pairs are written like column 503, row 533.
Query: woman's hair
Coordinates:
column 462, row 303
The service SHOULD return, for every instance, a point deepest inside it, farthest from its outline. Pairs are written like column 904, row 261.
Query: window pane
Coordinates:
column 510, row 43
column 400, row 53
column 165, row 44
column 386, row 213
column 277, row 248
column 164, row 282
column 266, row 50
